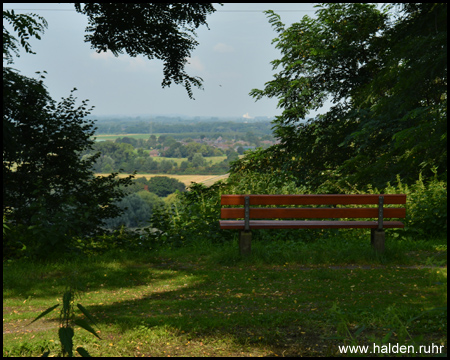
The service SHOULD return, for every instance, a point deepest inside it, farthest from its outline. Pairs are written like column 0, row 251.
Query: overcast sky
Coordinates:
column 233, row 57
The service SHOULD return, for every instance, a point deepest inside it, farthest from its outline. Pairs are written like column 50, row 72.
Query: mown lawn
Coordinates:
column 191, row 302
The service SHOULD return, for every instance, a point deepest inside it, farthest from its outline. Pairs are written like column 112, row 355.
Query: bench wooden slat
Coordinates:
column 305, row 224
column 251, row 211
column 311, row 213
column 357, row 199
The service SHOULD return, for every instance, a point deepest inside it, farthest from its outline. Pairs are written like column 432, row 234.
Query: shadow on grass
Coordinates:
column 249, row 302
column 49, row 280
column 281, row 309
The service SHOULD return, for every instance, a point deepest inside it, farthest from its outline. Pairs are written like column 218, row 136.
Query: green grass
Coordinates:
column 205, row 300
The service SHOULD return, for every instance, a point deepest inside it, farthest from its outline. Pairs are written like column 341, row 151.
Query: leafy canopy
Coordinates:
column 385, row 72
column 163, row 31
column 25, row 25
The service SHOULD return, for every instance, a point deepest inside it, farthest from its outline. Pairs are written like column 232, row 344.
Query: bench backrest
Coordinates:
column 249, row 212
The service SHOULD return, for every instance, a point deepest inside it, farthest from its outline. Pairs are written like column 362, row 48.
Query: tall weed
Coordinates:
column 67, row 321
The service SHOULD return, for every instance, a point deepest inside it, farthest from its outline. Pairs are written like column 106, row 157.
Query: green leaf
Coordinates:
column 50, row 309
column 82, row 323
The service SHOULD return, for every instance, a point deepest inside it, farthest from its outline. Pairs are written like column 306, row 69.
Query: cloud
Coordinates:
column 126, row 63
column 247, row 116
column 102, row 56
column 223, row 48
column 136, row 64
column 195, row 63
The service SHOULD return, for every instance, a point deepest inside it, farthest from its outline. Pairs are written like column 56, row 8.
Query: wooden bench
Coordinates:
column 252, row 210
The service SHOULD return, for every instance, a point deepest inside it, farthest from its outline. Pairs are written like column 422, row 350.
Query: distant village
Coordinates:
column 239, row 146
column 176, row 147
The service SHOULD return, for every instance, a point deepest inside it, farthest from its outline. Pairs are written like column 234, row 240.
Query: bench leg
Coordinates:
column 377, row 239
column 245, row 242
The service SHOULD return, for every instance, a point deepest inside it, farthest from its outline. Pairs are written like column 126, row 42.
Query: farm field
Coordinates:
column 185, row 179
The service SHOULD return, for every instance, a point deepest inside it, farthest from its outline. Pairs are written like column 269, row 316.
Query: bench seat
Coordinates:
column 306, row 224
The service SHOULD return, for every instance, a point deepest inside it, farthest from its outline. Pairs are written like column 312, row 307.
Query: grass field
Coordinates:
column 185, row 179
column 205, row 300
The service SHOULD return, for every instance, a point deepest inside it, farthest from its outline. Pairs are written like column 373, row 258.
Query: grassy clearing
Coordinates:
column 205, row 300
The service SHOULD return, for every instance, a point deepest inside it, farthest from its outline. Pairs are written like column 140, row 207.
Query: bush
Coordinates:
column 426, row 208
column 45, row 236
column 249, row 182
column 192, row 216
column 195, row 215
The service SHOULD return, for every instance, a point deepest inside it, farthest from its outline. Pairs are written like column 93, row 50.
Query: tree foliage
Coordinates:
column 164, row 185
column 25, row 25
column 48, row 188
column 385, row 72
column 44, row 178
column 163, row 31
column 137, row 210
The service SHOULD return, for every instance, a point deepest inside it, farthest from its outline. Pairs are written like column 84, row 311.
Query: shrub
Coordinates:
column 44, row 237
column 426, row 211
column 193, row 216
